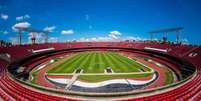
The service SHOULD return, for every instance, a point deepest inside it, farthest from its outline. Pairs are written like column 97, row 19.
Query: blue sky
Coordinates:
column 101, row 19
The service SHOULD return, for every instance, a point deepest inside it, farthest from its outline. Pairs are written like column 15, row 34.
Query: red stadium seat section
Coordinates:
column 11, row 90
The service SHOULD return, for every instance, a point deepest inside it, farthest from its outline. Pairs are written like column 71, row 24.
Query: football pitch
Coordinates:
column 98, row 62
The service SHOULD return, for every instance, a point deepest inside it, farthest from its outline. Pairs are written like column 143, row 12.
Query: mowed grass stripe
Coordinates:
column 67, row 67
column 91, row 65
column 115, row 66
column 127, row 67
column 100, row 66
column 137, row 65
column 59, row 68
column 87, row 62
column 105, row 60
column 74, row 65
column 130, row 67
column 108, row 62
column 84, row 63
column 102, row 61
column 96, row 62
column 71, row 60
column 123, row 67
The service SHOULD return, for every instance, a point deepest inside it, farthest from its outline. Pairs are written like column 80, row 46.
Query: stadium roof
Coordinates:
column 167, row 30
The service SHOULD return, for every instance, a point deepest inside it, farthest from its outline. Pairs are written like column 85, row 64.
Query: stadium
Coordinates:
column 104, row 68
column 101, row 69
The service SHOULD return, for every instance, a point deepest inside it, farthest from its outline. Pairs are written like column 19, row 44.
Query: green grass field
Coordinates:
column 94, row 63
column 97, row 61
column 97, row 78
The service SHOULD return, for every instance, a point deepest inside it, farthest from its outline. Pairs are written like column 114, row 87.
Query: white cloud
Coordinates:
column 19, row 18
column 185, row 41
column 49, row 28
column 31, row 34
column 114, row 34
column 4, row 16
column 111, row 39
column 53, row 39
column 24, row 17
column 66, row 32
column 94, row 39
column 13, row 40
column 135, row 38
column 4, row 32
column 20, row 25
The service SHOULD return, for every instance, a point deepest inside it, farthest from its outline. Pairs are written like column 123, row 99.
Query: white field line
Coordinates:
column 101, row 73
column 140, row 70
column 145, row 66
column 74, row 72
column 113, row 73
column 38, row 68
column 41, row 67
column 139, row 63
column 31, row 77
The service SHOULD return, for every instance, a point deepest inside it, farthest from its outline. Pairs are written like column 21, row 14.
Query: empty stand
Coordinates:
column 12, row 90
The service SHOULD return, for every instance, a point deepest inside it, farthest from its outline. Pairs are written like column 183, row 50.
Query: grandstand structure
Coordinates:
column 166, row 31
column 17, row 61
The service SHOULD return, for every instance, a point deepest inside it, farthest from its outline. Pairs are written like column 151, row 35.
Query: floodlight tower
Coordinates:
column 178, row 36
column 33, row 38
column 19, row 34
column 19, row 37
column 46, row 36
column 29, row 30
